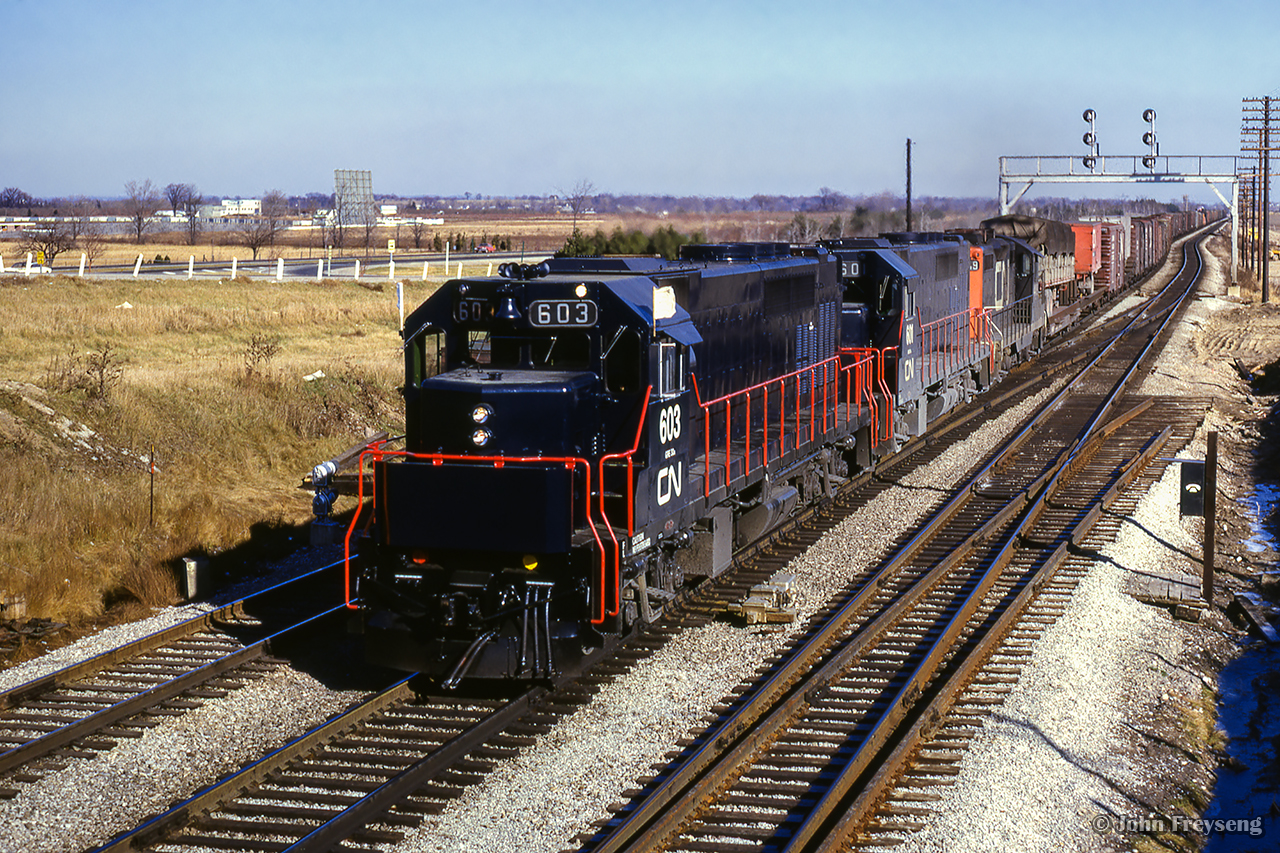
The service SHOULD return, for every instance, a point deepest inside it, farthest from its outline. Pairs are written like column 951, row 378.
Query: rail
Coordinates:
column 629, row 455
column 1013, row 320
column 869, row 365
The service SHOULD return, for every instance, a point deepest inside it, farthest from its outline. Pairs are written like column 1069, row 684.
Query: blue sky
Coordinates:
column 686, row 98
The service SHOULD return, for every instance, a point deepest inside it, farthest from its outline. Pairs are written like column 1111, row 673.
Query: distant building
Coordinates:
column 229, row 210
column 241, row 206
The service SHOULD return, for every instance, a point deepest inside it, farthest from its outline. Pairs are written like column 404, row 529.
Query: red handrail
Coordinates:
column 631, row 513
column 376, row 452
column 628, row 455
column 830, row 368
column 869, row 362
column 950, row 343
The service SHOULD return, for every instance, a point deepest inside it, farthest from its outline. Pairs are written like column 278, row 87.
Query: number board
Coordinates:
column 563, row 312
column 472, row 310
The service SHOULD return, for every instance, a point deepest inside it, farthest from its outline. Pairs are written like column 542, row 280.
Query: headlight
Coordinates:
column 481, row 437
column 481, row 413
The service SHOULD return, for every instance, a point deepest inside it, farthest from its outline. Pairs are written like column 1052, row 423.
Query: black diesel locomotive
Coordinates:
column 586, row 437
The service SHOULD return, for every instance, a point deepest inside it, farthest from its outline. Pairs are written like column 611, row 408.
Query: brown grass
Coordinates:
column 231, row 445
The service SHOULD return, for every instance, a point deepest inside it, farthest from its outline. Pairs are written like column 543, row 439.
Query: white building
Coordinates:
column 241, row 206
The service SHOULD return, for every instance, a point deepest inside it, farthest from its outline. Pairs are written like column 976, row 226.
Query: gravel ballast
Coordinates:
column 92, row 800
column 556, row 788
column 1056, row 756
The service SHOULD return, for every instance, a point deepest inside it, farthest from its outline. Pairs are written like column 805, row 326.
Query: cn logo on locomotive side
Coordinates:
column 670, row 482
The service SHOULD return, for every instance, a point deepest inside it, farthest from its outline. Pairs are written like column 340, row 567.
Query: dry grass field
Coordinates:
column 94, row 374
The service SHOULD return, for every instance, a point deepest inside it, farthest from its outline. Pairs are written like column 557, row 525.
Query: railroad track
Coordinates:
column 86, row 708
column 802, row 757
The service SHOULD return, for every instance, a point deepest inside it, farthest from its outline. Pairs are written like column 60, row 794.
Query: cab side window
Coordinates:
column 671, row 368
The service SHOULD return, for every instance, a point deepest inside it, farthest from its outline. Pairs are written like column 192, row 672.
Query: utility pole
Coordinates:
column 908, row 185
column 1258, row 117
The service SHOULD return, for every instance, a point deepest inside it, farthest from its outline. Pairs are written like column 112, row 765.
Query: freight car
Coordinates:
column 588, row 437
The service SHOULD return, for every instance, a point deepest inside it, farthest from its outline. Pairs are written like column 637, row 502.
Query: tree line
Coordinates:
column 664, row 242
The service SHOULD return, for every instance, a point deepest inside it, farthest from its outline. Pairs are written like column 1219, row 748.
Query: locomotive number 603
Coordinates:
column 563, row 312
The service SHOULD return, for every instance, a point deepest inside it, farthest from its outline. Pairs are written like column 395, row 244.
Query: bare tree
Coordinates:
column 257, row 232
column 141, row 201
column 92, row 241
column 368, row 220
column 185, row 200
column 176, row 194
column 829, row 199
column 191, row 209
column 338, row 219
column 48, row 240
column 81, row 215
column 417, row 227
column 14, row 197
column 580, row 198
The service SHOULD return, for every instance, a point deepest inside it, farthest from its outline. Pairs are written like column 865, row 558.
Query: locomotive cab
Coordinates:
column 491, row 526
